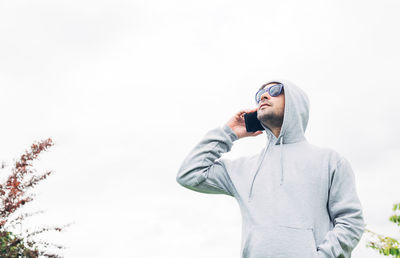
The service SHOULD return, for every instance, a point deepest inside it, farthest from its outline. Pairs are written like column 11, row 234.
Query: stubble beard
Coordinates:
column 270, row 119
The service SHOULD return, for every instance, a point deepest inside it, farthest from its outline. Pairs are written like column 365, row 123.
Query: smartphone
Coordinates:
column 252, row 122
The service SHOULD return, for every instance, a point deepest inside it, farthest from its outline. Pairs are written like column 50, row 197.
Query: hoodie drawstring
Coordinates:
column 259, row 166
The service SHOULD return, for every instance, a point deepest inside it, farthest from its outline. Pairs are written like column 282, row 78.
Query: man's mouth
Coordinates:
column 263, row 105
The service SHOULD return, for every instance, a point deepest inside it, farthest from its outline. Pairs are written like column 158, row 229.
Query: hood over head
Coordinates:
column 295, row 120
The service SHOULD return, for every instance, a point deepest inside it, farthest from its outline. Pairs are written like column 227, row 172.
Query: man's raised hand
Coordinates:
column 237, row 124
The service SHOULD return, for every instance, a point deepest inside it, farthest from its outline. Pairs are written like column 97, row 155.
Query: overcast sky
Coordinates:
column 127, row 88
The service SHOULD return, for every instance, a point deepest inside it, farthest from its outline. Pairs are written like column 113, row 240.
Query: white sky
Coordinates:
column 127, row 88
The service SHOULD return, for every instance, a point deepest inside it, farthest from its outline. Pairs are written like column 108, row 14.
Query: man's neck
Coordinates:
column 275, row 130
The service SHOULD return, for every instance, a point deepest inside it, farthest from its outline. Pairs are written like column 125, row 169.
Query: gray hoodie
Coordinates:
column 296, row 199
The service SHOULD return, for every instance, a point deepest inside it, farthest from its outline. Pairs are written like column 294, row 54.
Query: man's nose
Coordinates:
column 265, row 95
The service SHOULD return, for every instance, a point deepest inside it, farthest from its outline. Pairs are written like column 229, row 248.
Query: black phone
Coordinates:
column 252, row 122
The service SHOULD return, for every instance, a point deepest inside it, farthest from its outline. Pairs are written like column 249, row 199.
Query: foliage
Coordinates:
column 13, row 246
column 383, row 244
column 14, row 195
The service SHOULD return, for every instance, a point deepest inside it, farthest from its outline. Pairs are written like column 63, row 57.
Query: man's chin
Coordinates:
column 264, row 116
column 269, row 119
column 262, row 120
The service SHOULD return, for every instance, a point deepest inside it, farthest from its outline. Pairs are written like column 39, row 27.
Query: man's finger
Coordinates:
column 251, row 110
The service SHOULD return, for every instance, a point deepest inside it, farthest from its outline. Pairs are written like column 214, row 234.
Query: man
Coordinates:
column 297, row 200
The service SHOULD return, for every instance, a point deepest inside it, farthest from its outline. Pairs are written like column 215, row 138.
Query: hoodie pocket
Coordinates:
column 300, row 241
column 280, row 241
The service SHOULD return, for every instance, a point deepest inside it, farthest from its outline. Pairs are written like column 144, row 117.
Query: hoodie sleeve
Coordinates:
column 201, row 171
column 346, row 214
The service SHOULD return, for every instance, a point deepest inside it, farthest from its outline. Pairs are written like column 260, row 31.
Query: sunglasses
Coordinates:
column 273, row 91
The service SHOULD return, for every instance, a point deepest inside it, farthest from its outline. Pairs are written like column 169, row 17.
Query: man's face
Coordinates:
column 271, row 114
